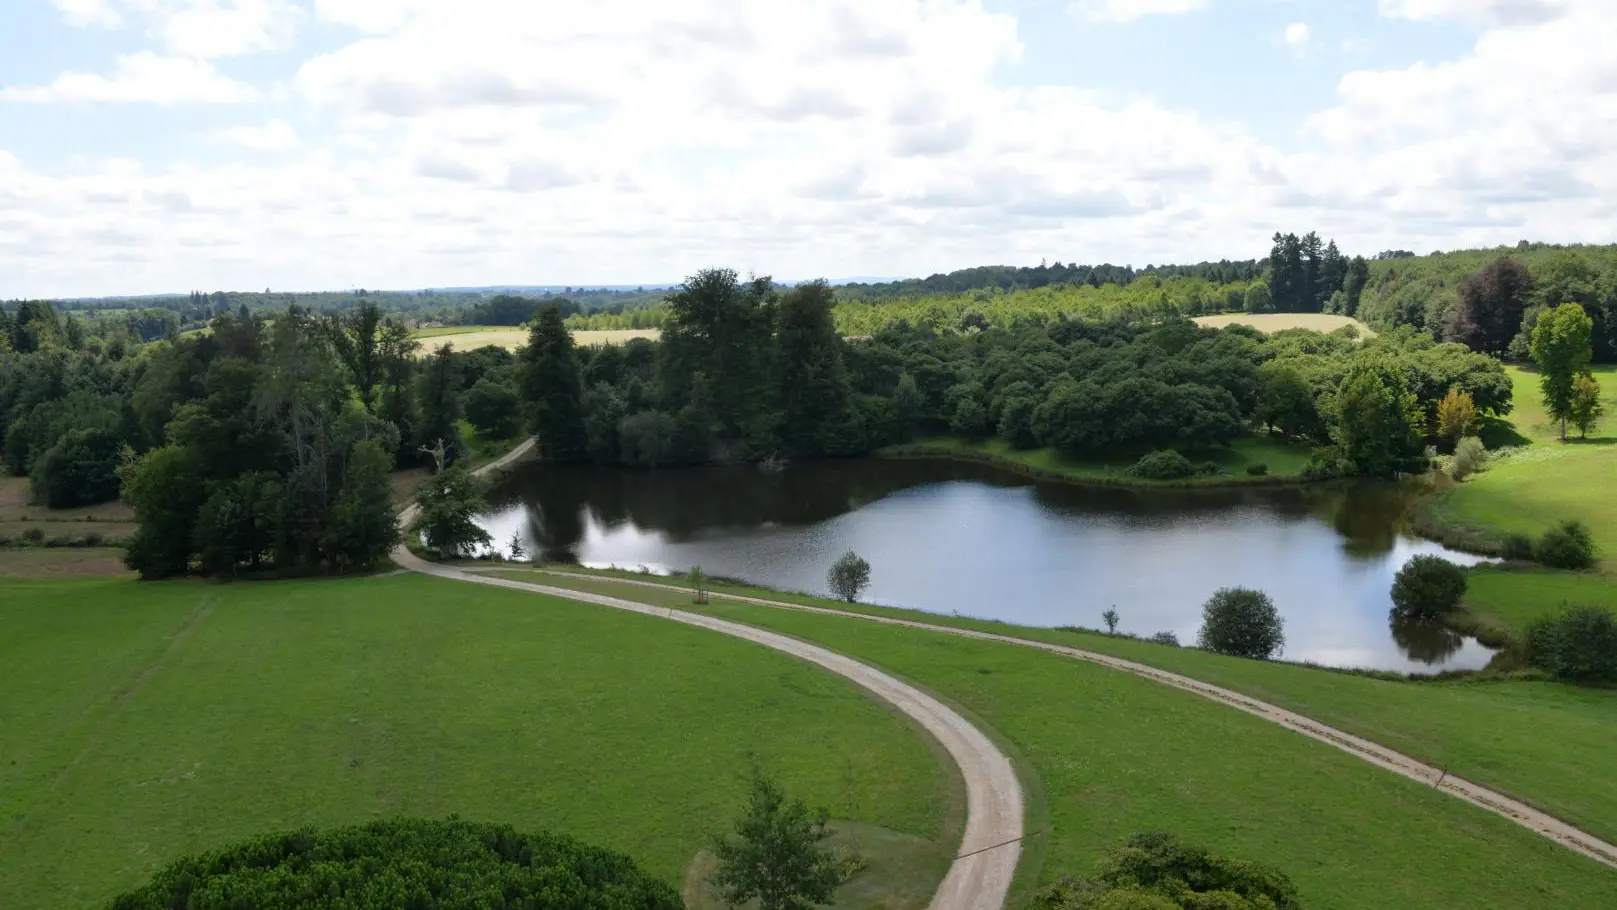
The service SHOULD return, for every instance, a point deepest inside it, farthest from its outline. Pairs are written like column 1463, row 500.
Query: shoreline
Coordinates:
column 921, row 451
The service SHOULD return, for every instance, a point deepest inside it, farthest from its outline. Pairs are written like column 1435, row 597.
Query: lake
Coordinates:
column 977, row 541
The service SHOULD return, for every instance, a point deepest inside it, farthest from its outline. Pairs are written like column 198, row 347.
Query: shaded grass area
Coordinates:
column 1285, row 461
column 1547, row 744
column 61, row 562
column 140, row 722
column 1511, row 599
column 1117, row 754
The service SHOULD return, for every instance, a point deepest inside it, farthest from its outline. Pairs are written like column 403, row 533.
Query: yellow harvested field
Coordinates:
column 1277, row 322
column 511, row 339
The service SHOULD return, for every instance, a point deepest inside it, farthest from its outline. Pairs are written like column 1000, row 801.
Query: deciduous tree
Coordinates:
column 553, row 389
column 1491, row 306
column 1561, row 349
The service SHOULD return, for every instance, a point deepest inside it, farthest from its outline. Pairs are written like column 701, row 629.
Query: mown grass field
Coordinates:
column 468, row 338
column 1544, row 743
column 1116, row 754
column 1531, row 488
column 140, row 722
column 1279, row 322
column 1282, row 459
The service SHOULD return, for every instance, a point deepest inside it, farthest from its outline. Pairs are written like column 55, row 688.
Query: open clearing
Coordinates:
column 1277, row 322
column 470, row 338
column 1511, row 599
column 140, row 722
column 1530, row 488
column 18, row 515
column 1116, row 753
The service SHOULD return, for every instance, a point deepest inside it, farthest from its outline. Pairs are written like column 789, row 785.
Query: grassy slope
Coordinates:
column 1282, row 459
column 1547, row 481
column 1544, row 743
column 337, row 701
column 1118, row 754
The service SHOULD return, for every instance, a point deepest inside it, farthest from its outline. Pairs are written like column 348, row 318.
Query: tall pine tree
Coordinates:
column 553, row 389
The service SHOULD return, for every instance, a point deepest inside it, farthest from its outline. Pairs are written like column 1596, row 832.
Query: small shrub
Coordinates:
column 1257, row 470
column 1166, row 638
column 1427, row 588
column 1163, row 465
column 849, row 576
column 33, row 537
column 1517, row 547
column 1242, row 622
column 59, row 541
column 1210, row 469
column 1469, row 457
column 1567, row 546
column 1157, row 872
column 1110, row 617
column 1579, row 645
column 94, row 539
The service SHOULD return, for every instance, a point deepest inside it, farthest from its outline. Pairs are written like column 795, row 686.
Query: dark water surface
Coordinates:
column 973, row 540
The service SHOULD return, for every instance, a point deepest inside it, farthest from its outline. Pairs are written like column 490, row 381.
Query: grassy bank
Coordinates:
column 1117, row 753
column 1285, row 462
column 1511, row 599
column 1544, row 743
column 139, row 722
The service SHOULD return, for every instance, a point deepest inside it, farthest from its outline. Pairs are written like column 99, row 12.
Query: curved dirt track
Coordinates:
column 981, row 877
column 1381, row 756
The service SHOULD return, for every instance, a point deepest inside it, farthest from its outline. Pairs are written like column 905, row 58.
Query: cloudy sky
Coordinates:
column 168, row 145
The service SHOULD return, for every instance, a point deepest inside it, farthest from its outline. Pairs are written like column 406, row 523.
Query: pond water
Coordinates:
column 977, row 541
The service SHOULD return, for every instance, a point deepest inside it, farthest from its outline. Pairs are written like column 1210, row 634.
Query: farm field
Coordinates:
column 1277, row 322
column 141, row 722
column 468, row 338
column 1116, row 754
column 111, row 521
column 1530, row 488
column 1543, row 743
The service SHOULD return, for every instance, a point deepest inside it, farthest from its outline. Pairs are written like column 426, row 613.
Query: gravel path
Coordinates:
column 989, row 850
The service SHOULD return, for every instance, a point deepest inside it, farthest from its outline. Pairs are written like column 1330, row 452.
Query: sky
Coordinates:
column 154, row 146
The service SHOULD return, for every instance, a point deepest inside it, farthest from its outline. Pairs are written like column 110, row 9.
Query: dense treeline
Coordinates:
column 747, row 372
column 260, row 443
column 1012, row 278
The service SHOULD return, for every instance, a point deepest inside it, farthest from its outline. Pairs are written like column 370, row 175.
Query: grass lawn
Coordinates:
column 1512, row 598
column 1277, row 322
column 471, row 337
column 1533, row 487
column 61, row 562
column 140, row 722
column 1284, row 460
column 1544, row 743
column 1116, row 754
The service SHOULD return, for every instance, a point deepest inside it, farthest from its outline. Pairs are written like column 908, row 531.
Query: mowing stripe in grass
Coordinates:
column 979, row 879
column 1483, row 797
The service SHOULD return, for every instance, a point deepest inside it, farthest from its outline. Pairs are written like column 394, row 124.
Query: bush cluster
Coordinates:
column 1157, row 872
column 1566, row 546
column 1517, row 547
column 1257, row 470
column 1579, row 645
column 1164, row 465
column 1469, row 457
column 404, row 863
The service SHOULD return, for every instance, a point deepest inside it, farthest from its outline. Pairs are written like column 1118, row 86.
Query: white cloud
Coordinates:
column 1129, row 10
column 274, row 136
column 1297, row 36
column 470, row 141
column 87, row 13
column 1504, row 12
column 141, row 77
column 197, row 28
